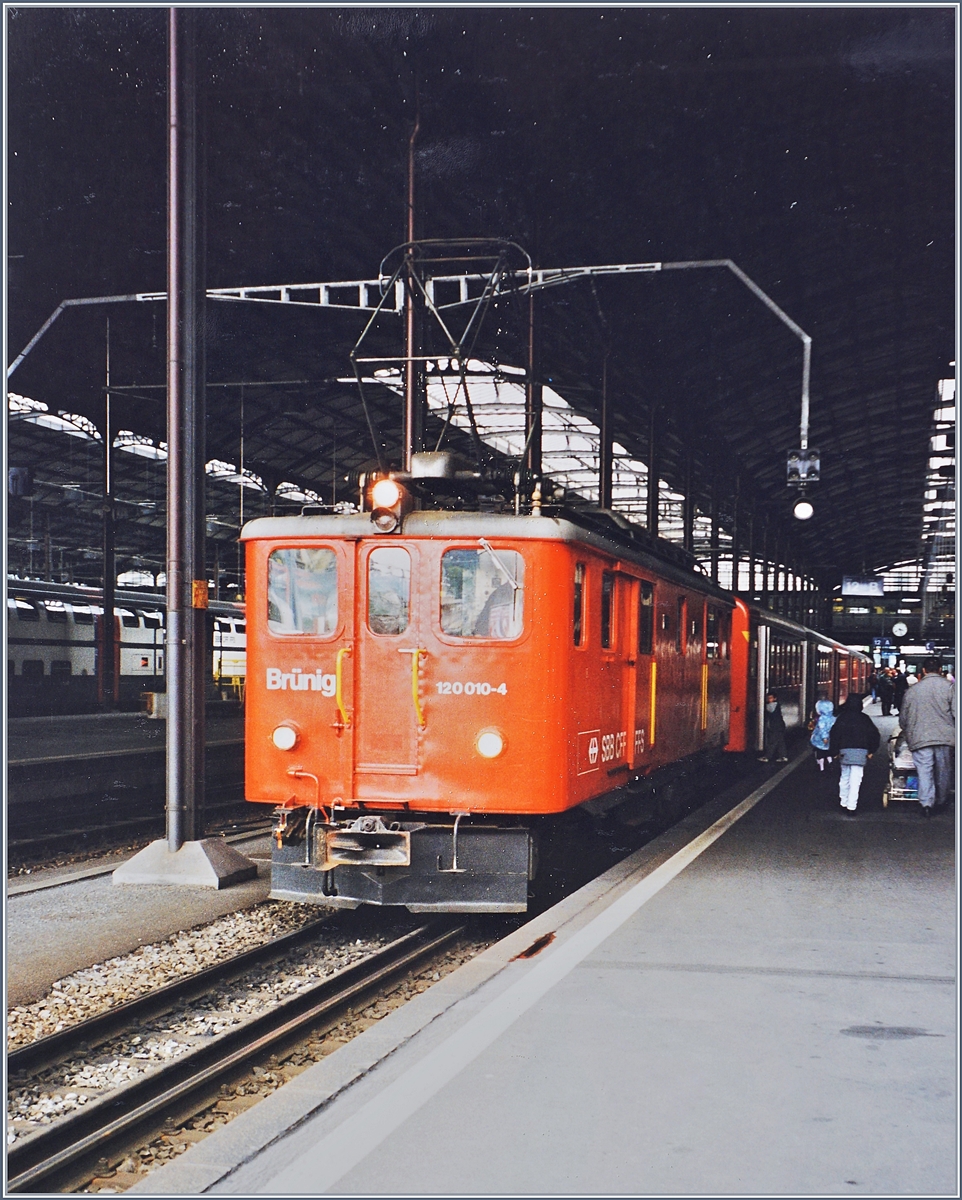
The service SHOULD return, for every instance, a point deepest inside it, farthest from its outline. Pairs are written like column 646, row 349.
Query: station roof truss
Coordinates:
column 814, row 149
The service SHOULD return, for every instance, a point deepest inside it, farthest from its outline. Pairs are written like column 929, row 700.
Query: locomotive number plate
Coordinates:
column 448, row 687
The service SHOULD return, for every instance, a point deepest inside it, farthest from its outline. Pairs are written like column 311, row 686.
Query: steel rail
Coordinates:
column 66, row 1153
column 96, row 1030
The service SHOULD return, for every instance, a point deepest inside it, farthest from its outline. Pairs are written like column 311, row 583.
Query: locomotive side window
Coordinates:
column 56, row 611
column 712, row 634
column 646, row 618
column 388, row 589
column 607, row 606
column 83, row 614
column 482, row 593
column 152, row 620
column 302, row 592
column 128, row 619
column 579, row 603
column 681, row 627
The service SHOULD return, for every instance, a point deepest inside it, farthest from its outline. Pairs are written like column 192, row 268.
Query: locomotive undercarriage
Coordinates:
column 424, row 865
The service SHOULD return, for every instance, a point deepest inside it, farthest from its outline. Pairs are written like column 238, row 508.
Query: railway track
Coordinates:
column 65, row 1154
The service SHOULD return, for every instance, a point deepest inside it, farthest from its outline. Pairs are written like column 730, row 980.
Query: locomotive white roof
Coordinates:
column 442, row 524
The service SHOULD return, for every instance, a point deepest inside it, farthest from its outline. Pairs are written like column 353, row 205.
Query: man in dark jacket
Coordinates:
column 886, row 692
column 775, row 748
column 853, row 740
column 927, row 717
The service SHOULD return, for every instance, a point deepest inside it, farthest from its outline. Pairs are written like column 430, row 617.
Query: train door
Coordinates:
column 644, row 678
column 761, row 682
column 716, row 674
column 615, row 673
column 388, row 660
column 627, row 590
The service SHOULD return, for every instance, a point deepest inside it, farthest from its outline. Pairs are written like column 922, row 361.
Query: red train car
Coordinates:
column 799, row 665
column 425, row 692
column 419, row 699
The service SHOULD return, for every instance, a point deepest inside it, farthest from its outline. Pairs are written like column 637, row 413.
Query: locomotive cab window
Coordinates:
column 388, row 589
column 579, row 604
column 302, row 592
column 694, row 628
column 607, row 609
column 646, row 618
column 482, row 593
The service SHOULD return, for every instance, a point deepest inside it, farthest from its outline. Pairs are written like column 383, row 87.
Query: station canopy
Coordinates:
column 814, row 148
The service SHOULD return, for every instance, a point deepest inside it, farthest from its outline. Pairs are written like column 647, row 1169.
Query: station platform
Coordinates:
column 32, row 740
column 760, row 1001
column 63, row 919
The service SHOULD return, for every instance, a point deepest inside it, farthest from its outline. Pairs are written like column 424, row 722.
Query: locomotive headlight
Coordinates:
column 284, row 737
column 385, row 493
column 489, row 743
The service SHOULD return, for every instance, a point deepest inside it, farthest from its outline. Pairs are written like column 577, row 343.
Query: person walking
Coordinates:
column 873, row 685
column 824, row 720
column 927, row 718
column 854, row 738
column 886, row 692
column 899, row 690
column 775, row 748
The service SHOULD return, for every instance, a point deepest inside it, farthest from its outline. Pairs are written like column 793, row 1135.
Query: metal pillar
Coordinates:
column 186, row 453
column 415, row 395
column 108, row 659
column 652, row 505
column 736, row 534
column 605, row 439
column 751, row 554
column 533, row 399
column 713, row 539
column 688, row 510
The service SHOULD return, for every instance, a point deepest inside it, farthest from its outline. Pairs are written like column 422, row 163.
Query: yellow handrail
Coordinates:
column 338, row 690
column 651, row 714
column 704, row 695
column 415, row 672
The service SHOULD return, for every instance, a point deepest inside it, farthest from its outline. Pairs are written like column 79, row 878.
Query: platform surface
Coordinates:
column 53, row 931
column 777, row 1019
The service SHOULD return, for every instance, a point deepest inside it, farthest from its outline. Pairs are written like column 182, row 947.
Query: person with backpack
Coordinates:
column 854, row 738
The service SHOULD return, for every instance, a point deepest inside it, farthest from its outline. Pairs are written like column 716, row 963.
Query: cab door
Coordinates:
column 388, row 660
column 618, row 665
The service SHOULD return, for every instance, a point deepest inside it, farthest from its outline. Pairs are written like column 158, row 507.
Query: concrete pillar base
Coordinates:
column 209, row 863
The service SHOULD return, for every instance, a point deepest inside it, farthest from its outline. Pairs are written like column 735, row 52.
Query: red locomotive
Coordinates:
column 425, row 688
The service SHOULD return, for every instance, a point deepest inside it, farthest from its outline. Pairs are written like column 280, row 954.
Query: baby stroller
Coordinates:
column 903, row 781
